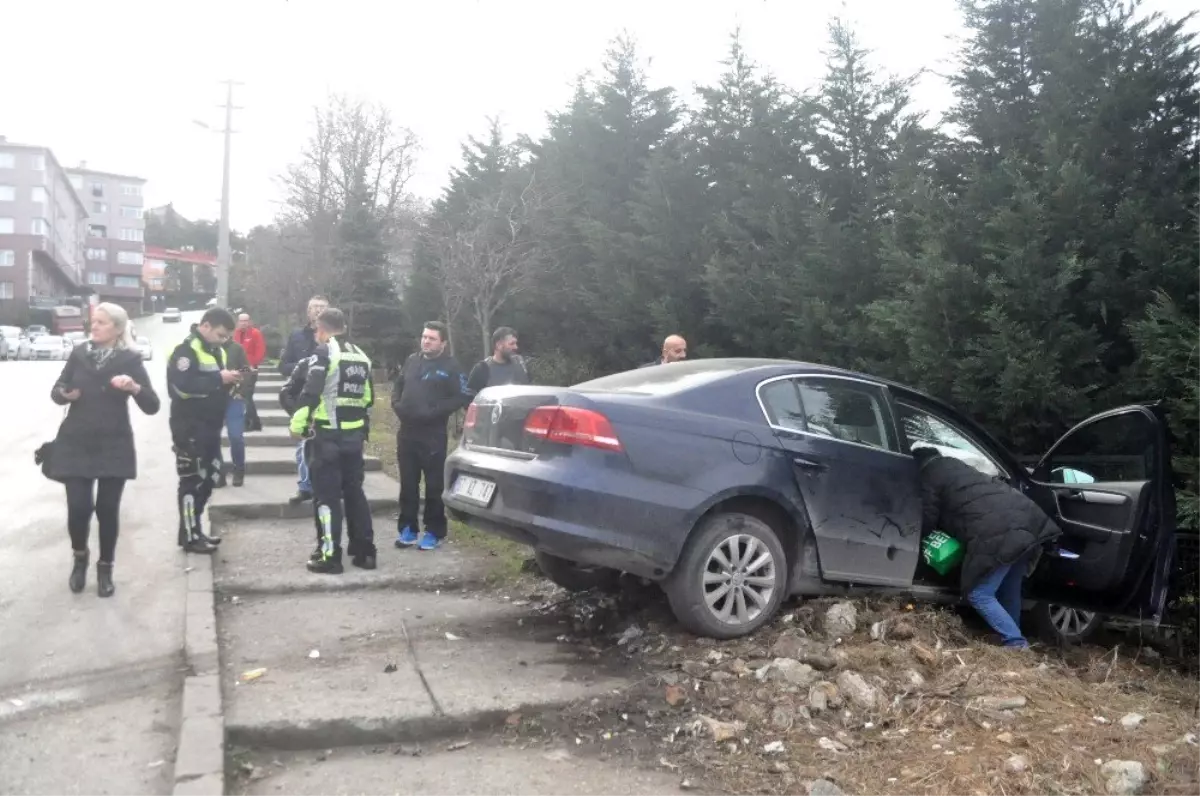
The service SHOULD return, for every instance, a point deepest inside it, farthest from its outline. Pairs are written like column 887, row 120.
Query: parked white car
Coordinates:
column 76, row 339
column 48, row 346
column 10, row 341
column 171, row 315
column 142, row 344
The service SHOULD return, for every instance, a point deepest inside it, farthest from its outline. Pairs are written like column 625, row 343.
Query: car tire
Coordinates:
column 1065, row 626
column 576, row 577
column 707, row 557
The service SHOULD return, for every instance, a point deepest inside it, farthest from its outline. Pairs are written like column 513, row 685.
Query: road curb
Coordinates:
column 324, row 734
column 200, row 756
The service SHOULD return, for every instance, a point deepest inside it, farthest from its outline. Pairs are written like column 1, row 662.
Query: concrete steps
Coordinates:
column 266, row 496
column 263, row 460
column 269, row 437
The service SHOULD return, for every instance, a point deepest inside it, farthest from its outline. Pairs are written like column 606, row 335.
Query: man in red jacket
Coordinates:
column 251, row 339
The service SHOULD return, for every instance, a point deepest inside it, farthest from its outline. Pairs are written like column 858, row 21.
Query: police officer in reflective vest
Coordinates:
column 333, row 413
column 199, row 383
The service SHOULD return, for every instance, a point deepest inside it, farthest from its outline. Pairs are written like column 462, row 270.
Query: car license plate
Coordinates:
column 475, row 490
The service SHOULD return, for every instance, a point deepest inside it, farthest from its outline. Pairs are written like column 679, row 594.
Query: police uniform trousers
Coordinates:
column 336, row 467
column 197, row 447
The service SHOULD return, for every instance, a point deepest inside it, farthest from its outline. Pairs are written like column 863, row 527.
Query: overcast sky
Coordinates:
column 118, row 83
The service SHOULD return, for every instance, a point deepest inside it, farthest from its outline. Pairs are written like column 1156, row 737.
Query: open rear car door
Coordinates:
column 1108, row 485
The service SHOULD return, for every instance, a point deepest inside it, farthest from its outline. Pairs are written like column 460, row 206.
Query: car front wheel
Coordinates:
column 731, row 578
column 1064, row 625
column 576, row 577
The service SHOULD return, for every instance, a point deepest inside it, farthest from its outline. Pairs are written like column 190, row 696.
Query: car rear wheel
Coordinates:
column 576, row 577
column 1065, row 625
column 731, row 578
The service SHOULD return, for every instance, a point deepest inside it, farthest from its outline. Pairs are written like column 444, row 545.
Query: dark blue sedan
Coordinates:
column 736, row 483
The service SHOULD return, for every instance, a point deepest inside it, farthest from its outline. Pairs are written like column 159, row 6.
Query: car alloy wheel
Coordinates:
column 1065, row 625
column 731, row 577
column 739, row 579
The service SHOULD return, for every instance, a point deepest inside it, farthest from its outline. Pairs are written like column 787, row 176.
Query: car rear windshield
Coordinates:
column 670, row 379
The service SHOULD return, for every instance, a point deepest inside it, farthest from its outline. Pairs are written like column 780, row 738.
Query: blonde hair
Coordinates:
column 120, row 319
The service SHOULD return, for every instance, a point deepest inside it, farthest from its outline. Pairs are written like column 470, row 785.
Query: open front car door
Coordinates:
column 1108, row 485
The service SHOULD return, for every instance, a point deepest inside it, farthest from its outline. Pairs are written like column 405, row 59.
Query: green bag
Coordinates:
column 942, row 552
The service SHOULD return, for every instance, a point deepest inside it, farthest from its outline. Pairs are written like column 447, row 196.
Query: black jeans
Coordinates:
column 336, row 467
column 419, row 457
column 99, row 496
column 249, row 380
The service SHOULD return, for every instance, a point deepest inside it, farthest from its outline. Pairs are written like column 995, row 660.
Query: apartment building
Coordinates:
column 42, row 230
column 115, row 246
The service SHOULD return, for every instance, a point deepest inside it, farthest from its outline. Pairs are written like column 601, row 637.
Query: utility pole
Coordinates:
column 224, row 251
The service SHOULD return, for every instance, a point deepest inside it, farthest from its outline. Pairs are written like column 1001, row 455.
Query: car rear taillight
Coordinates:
column 472, row 413
column 570, row 425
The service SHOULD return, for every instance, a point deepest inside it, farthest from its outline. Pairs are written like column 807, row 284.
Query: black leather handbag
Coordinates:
column 45, row 454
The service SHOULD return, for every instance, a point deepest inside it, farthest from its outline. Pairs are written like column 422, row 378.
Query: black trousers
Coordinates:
column 99, row 496
column 197, row 447
column 422, row 457
column 248, row 381
column 335, row 461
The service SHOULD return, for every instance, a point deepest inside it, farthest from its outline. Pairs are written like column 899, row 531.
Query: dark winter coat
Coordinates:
column 96, row 438
column 425, row 394
column 301, row 345
column 997, row 524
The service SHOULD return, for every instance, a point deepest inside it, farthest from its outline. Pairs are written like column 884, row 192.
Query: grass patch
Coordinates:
column 506, row 557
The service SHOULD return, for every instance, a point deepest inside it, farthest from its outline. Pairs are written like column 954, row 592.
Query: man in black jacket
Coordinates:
column 198, row 380
column 431, row 387
column 1003, row 532
column 301, row 346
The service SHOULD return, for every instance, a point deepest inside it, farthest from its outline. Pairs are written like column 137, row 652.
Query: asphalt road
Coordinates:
column 89, row 688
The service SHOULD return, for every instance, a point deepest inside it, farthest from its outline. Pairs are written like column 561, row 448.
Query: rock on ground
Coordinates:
column 841, row 620
column 1123, row 777
column 1017, row 764
column 1131, row 721
column 823, row 787
column 859, row 691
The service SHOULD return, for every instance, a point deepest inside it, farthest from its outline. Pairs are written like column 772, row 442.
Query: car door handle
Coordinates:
column 808, row 464
column 1074, row 494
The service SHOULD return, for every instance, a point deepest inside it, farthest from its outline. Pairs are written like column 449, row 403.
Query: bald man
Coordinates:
column 674, row 350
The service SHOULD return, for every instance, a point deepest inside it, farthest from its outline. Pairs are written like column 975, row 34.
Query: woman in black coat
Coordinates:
column 93, row 453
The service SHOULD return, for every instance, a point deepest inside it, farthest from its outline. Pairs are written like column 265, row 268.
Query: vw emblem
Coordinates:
column 495, row 414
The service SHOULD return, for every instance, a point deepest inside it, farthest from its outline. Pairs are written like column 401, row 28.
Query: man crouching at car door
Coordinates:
column 1003, row 532
column 431, row 387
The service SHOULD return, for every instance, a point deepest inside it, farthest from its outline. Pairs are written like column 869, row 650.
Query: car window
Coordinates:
column 847, row 410
column 924, row 430
column 1114, row 448
column 781, row 402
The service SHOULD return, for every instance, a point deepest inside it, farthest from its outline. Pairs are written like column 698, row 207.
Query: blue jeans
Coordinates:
column 235, row 426
column 305, row 483
column 997, row 598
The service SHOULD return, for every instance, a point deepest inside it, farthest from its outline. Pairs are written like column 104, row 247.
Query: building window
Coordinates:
column 6, row 290
column 7, row 226
column 8, row 193
column 97, row 254
column 97, row 278
column 130, row 212
column 99, row 207
column 37, row 194
column 7, row 160
column 37, row 162
column 97, row 231
column 77, row 182
column 98, row 190
column 39, row 226
column 8, row 257
column 130, row 258
column 131, row 234
column 127, row 281
column 131, row 190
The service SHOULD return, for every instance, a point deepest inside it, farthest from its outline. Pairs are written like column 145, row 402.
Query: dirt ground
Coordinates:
column 913, row 700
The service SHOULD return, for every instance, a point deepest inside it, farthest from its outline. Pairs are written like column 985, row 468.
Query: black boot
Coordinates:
column 220, row 481
column 331, row 565
column 239, row 477
column 199, row 543
column 300, row 497
column 364, row 562
column 104, row 584
column 79, row 571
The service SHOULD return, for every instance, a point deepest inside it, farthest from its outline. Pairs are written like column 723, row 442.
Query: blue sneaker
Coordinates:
column 407, row 537
column 429, row 542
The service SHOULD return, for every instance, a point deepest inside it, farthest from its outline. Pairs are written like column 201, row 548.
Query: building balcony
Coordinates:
column 48, row 255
